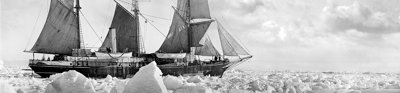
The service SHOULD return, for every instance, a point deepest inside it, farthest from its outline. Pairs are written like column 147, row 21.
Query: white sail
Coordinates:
column 230, row 46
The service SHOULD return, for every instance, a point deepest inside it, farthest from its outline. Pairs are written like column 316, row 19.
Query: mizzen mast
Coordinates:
column 190, row 45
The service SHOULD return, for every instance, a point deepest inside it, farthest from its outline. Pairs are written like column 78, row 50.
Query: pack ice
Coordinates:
column 172, row 82
column 147, row 80
column 70, row 82
column 5, row 87
column 1, row 64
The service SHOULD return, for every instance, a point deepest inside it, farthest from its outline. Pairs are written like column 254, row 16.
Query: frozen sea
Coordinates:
column 23, row 80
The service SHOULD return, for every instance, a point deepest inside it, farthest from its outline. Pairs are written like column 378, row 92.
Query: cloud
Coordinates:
column 312, row 34
column 360, row 17
column 246, row 6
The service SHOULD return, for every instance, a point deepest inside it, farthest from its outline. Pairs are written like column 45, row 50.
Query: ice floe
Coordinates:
column 189, row 88
column 70, row 82
column 6, row 88
column 195, row 79
column 147, row 80
column 172, row 82
column 1, row 64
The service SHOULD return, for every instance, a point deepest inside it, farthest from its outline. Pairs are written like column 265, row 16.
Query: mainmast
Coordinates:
column 80, row 40
column 135, row 5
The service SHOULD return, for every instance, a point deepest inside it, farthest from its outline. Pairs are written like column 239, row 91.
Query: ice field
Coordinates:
column 148, row 80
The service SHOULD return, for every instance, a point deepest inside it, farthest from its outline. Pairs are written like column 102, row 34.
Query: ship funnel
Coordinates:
column 113, row 40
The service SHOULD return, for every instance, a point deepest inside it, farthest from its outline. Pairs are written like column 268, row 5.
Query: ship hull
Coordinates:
column 216, row 69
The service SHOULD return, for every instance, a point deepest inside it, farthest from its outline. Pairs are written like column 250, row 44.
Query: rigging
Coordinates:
column 147, row 20
column 34, row 26
column 91, row 27
column 223, row 19
column 157, row 17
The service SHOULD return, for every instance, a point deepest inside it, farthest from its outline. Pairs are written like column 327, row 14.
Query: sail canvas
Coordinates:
column 126, row 31
column 60, row 33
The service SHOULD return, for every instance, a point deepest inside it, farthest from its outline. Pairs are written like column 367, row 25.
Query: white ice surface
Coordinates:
column 193, row 89
column 147, row 80
column 1, row 64
column 70, row 82
column 195, row 79
column 172, row 82
column 233, row 81
column 5, row 87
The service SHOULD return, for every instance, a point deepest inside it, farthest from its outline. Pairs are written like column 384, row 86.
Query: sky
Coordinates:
column 305, row 35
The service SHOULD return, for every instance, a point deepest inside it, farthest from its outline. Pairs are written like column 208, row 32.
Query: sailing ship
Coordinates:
column 121, row 53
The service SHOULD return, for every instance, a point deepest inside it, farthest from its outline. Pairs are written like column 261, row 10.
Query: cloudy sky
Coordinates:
column 310, row 35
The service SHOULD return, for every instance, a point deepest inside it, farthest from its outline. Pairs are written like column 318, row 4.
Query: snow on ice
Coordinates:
column 195, row 79
column 5, row 87
column 1, row 64
column 172, row 82
column 70, row 82
column 190, row 88
column 147, row 80
column 15, row 80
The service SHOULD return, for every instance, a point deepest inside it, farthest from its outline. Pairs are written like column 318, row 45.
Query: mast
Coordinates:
column 189, row 28
column 185, row 34
column 80, row 40
column 189, row 32
column 126, row 25
column 135, row 9
column 61, row 31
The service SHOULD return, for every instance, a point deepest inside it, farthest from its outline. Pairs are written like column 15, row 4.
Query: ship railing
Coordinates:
column 34, row 61
column 109, row 62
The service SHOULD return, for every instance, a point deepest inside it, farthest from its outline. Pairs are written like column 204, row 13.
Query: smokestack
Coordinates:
column 113, row 40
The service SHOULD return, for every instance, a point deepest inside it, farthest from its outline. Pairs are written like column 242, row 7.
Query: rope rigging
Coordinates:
column 91, row 27
column 157, row 17
column 34, row 26
column 124, row 2
column 147, row 20
column 240, row 42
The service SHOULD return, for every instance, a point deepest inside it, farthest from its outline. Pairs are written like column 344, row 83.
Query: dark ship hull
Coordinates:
column 215, row 69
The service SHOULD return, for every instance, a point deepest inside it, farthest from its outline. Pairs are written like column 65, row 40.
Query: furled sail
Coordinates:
column 60, row 33
column 126, row 31
column 230, row 46
column 177, row 40
column 207, row 49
